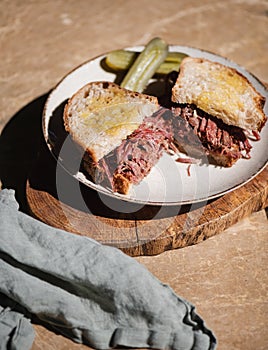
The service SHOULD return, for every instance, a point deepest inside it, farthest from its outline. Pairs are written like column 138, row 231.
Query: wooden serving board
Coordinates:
column 147, row 230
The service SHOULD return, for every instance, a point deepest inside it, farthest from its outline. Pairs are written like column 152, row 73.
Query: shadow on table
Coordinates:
column 19, row 147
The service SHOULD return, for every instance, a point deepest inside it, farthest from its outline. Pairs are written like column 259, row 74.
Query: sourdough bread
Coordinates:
column 220, row 91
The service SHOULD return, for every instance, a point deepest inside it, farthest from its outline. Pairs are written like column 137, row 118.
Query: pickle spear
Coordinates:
column 145, row 65
column 120, row 60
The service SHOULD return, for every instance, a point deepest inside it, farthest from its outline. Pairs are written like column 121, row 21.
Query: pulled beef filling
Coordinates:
column 214, row 135
column 137, row 154
column 184, row 135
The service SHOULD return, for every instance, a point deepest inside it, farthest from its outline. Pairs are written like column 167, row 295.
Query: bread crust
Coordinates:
column 121, row 183
column 222, row 159
column 220, row 91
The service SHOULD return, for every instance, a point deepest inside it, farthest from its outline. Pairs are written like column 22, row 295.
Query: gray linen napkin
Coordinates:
column 92, row 293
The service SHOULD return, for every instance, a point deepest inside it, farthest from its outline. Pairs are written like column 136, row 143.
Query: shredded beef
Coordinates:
column 184, row 133
column 137, row 154
column 214, row 135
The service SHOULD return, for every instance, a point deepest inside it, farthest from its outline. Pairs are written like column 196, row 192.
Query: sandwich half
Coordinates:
column 222, row 108
column 121, row 134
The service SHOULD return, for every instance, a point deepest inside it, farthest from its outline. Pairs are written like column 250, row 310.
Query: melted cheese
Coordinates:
column 228, row 93
column 111, row 119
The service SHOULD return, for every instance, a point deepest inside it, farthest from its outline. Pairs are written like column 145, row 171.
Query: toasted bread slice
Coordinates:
column 101, row 114
column 220, row 91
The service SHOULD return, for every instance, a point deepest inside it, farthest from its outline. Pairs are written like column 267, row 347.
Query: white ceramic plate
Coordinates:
column 168, row 183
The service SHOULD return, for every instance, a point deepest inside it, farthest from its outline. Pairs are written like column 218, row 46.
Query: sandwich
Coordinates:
column 121, row 133
column 220, row 106
column 213, row 112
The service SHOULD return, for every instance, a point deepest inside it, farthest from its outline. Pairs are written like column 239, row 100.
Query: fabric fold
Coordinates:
column 92, row 293
column 16, row 332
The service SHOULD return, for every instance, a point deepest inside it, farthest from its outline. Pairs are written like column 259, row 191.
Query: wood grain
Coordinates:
column 147, row 230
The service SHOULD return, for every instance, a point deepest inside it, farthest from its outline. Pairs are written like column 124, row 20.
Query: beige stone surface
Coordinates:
column 41, row 41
